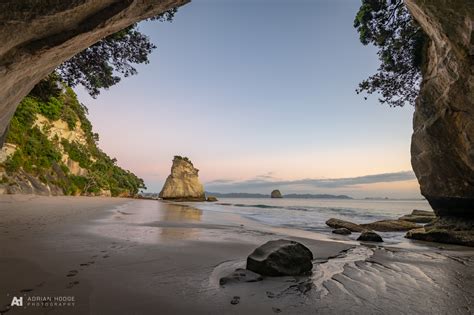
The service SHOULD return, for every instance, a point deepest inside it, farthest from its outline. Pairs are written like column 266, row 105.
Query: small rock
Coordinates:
column 370, row 236
column 211, row 198
column 240, row 275
column 281, row 258
column 342, row 231
column 235, row 300
column 276, row 194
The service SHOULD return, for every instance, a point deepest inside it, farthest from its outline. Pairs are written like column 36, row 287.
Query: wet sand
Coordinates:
column 124, row 256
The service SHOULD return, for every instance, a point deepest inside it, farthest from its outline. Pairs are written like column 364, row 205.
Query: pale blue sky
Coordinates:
column 247, row 88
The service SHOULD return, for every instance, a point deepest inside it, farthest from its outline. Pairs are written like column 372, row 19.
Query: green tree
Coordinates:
column 103, row 64
column 388, row 25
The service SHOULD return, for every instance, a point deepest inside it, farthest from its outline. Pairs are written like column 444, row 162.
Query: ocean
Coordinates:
column 311, row 214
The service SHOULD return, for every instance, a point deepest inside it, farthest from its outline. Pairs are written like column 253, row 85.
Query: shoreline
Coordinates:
column 117, row 255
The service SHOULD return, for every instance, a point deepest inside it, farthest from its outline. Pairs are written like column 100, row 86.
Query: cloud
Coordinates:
column 267, row 182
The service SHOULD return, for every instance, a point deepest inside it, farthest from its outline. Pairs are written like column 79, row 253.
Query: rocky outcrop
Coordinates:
column 390, row 226
column 37, row 36
column 276, row 194
column 380, row 226
column 448, row 230
column 419, row 216
column 337, row 224
column 369, row 236
column 183, row 182
column 443, row 125
column 281, row 258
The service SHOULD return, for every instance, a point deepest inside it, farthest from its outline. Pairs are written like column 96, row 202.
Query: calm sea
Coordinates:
column 311, row 214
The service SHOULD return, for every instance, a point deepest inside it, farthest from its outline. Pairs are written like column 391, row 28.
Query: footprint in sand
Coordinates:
column 235, row 300
column 276, row 310
column 26, row 290
column 71, row 284
column 106, row 256
column 72, row 273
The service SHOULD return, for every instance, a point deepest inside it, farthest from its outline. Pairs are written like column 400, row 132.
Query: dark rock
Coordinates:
column 442, row 148
column 369, row 236
column 390, row 226
column 281, row 258
column 276, row 194
column 239, row 276
column 211, row 198
column 448, row 230
column 342, row 231
column 337, row 223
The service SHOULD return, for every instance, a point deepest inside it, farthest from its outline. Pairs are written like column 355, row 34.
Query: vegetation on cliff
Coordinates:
column 43, row 152
column 400, row 41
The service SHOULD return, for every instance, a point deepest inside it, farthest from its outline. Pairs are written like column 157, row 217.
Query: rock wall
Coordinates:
column 37, row 36
column 443, row 137
column 183, row 182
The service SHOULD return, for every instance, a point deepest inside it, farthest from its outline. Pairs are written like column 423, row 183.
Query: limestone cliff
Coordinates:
column 37, row 36
column 183, row 182
column 51, row 150
column 443, row 136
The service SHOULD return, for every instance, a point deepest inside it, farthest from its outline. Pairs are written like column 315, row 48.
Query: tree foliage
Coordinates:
column 388, row 25
column 103, row 64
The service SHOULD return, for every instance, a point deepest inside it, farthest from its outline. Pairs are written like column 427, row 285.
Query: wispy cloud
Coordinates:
column 267, row 181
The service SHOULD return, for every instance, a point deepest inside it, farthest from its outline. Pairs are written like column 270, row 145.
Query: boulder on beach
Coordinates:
column 240, row 275
column 281, row 258
column 369, row 236
column 390, row 226
column 342, row 231
column 276, row 194
column 337, row 223
column 183, row 182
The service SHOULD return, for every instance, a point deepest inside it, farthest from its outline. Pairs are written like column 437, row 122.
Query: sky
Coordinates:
column 259, row 93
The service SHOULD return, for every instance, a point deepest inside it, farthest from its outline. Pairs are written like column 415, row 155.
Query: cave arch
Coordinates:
column 37, row 36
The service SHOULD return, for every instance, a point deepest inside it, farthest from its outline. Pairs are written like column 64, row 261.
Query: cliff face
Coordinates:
column 183, row 182
column 443, row 137
column 51, row 150
column 37, row 36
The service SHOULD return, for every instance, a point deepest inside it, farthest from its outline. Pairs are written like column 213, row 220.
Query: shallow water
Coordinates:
column 311, row 214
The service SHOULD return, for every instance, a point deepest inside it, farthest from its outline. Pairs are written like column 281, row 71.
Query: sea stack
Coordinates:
column 183, row 182
column 276, row 194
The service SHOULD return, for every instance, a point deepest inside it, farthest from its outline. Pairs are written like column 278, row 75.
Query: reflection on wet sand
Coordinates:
column 179, row 214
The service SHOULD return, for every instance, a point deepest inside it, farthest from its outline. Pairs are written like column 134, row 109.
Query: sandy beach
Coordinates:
column 126, row 256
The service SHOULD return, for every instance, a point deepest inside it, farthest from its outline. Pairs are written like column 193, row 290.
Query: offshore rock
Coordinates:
column 183, row 182
column 390, row 226
column 281, row 258
column 276, row 194
column 337, row 224
column 449, row 230
column 442, row 146
column 419, row 216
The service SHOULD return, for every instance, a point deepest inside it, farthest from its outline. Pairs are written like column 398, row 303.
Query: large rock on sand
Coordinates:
column 183, row 183
column 281, row 258
column 276, row 194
